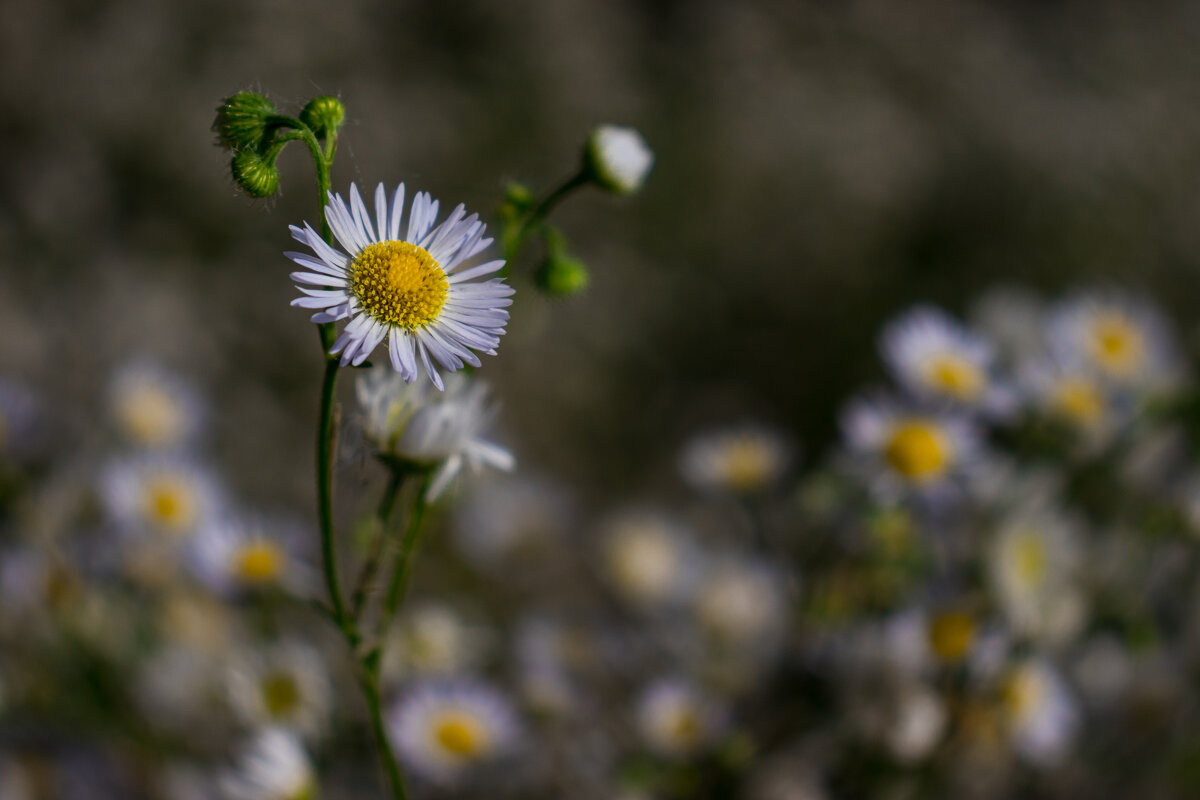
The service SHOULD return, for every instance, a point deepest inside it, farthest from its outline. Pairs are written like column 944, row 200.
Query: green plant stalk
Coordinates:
column 368, row 669
column 539, row 213
column 402, row 568
column 382, row 515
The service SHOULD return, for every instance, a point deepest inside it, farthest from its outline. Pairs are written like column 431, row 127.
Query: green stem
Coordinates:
column 382, row 514
column 543, row 209
column 325, row 499
column 370, row 687
column 401, row 570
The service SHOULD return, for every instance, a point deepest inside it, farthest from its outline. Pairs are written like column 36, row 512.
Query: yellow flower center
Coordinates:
column 956, row 377
column 280, row 694
column 1079, row 401
column 460, row 735
column 951, row 635
column 151, row 417
column 399, row 284
column 918, row 451
column 748, row 465
column 1029, row 558
column 169, row 504
column 258, row 562
column 1116, row 343
column 685, row 728
column 1022, row 693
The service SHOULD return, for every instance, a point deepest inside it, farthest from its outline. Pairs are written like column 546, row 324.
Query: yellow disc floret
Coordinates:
column 1079, row 401
column 1116, row 344
column 1029, row 558
column 399, row 284
column 168, row 504
column 918, row 450
column 460, row 735
column 951, row 635
column 258, row 562
column 956, row 377
column 280, row 694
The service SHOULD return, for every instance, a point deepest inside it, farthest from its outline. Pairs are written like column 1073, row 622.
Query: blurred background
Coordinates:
column 820, row 167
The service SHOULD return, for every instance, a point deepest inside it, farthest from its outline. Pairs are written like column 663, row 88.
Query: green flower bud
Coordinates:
column 562, row 276
column 617, row 159
column 241, row 121
column 324, row 115
column 256, row 176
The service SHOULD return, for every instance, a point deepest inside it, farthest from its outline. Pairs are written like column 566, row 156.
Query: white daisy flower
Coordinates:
column 1032, row 564
column 1119, row 337
column 274, row 767
column 1040, row 715
column 904, row 449
column 937, row 358
column 677, row 719
column 745, row 460
column 742, row 603
column 413, row 423
column 238, row 553
column 432, row 640
column 153, row 408
column 165, row 497
column 618, row 158
column 176, row 689
column 1075, row 395
column 648, row 559
column 917, row 718
column 284, row 685
column 413, row 290
column 443, row 731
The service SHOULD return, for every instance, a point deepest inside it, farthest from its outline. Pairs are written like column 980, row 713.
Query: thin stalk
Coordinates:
column 401, row 570
column 382, row 515
column 530, row 222
column 370, row 687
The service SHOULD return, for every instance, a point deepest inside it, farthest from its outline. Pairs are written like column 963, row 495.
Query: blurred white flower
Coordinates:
column 746, row 460
column 430, row 640
column 443, row 429
column 648, row 559
column 1012, row 317
column 618, row 159
column 284, row 685
column 167, row 498
column 918, row 718
column 444, row 731
column 153, row 408
column 742, row 603
column 1040, row 715
column 414, row 291
column 274, row 766
column 678, row 719
column 937, row 358
column 243, row 553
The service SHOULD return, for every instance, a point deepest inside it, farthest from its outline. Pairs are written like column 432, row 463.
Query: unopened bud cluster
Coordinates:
column 248, row 125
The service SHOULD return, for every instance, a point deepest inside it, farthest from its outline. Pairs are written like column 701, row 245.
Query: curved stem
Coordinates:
column 370, row 688
column 543, row 209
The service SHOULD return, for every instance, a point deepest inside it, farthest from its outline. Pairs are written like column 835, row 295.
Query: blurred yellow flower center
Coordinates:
column 1079, row 400
column 168, row 504
column 748, row 464
column 399, row 284
column 951, row 635
column 1022, row 693
column 917, row 450
column 1117, row 343
column 259, row 562
column 956, row 377
column 643, row 561
column 1029, row 556
column 151, row 417
column 280, row 694
column 460, row 734
column 685, row 727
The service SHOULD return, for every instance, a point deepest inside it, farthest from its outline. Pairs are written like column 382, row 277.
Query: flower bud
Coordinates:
column 324, row 115
column 562, row 276
column 254, row 174
column 617, row 159
column 242, row 121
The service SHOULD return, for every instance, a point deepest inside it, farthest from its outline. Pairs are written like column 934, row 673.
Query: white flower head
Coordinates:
column 907, row 449
column 415, row 424
column 285, row 685
column 432, row 640
column 274, row 767
column 1032, row 564
column 1119, row 337
column 153, row 408
column 1075, row 395
column 742, row 603
column 937, row 358
column 677, row 719
column 618, row 158
column 917, row 722
column 416, row 290
column 648, row 559
column 745, row 460
column 167, row 498
column 1041, row 716
column 240, row 553
column 444, row 731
